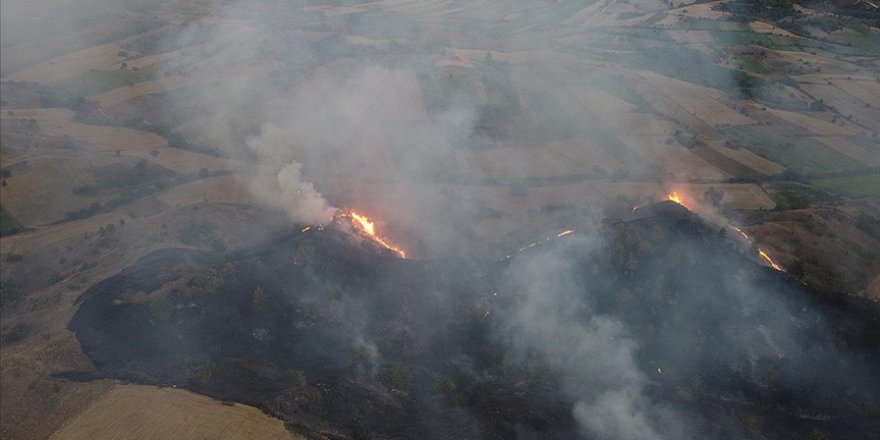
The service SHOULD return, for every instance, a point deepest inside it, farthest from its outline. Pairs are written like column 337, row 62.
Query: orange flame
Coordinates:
column 769, row 260
column 674, row 197
column 367, row 227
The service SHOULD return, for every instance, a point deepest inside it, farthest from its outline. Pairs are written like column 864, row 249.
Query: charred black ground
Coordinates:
column 344, row 340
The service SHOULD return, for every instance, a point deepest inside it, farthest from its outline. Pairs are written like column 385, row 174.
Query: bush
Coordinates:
column 13, row 333
column 196, row 233
column 218, row 245
column 10, row 292
column 54, row 278
column 8, row 225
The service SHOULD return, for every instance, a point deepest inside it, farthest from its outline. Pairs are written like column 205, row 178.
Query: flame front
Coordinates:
column 674, row 197
column 363, row 224
column 769, row 260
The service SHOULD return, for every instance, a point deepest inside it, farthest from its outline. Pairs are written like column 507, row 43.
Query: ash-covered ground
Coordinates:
column 652, row 328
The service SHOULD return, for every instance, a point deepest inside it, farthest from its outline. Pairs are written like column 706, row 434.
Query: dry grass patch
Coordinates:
column 135, row 412
column 672, row 158
column 124, row 93
column 747, row 158
column 71, row 64
column 858, row 148
column 223, row 189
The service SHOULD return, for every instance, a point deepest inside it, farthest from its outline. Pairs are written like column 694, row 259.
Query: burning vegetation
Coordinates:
column 367, row 228
column 762, row 254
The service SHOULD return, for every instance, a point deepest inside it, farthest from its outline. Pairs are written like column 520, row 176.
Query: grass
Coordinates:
column 864, row 46
column 793, row 195
column 776, row 42
column 852, row 186
column 754, row 65
column 98, row 81
column 196, row 233
column 803, row 155
column 8, row 225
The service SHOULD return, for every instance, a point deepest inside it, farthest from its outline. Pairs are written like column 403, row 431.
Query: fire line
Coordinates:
column 367, row 227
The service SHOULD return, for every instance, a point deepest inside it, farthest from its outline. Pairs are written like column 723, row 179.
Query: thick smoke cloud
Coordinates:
column 593, row 353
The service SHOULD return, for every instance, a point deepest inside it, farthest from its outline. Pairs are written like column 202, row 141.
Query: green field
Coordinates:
column 776, row 42
column 862, row 46
column 8, row 225
column 853, row 186
column 753, row 64
column 99, row 81
column 793, row 195
column 802, row 155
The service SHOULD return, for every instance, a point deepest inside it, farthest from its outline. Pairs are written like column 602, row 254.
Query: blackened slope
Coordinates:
column 333, row 334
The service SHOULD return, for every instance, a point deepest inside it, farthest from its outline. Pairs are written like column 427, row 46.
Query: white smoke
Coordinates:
column 289, row 190
column 302, row 202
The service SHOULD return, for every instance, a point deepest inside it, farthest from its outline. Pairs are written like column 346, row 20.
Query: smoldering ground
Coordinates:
column 584, row 336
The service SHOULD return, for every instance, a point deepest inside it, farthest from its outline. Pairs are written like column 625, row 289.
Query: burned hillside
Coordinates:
column 342, row 338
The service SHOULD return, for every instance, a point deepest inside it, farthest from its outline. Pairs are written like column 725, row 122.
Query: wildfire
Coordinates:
column 769, row 260
column 367, row 227
column 674, row 197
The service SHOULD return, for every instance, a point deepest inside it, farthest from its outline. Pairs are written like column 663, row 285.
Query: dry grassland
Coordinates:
column 673, row 158
column 124, row 93
column 136, row 412
column 104, row 56
column 747, row 158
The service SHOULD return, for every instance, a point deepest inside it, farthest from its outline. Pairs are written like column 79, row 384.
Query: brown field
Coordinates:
column 104, row 138
column 844, row 103
column 523, row 162
column 136, row 412
column 713, row 112
column 638, row 123
column 585, row 153
column 42, row 237
column 738, row 196
column 693, row 37
column 72, row 64
column 813, row 125
column 867, row 90
column 854, row 147
column 747, row 158
column 662, row 91
column 767, row 28
column 222, row 189
column 176, row 55
column 42, row 194
column 675, row 160
column 124, row 93
column 598, row 100
column 128, row 141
